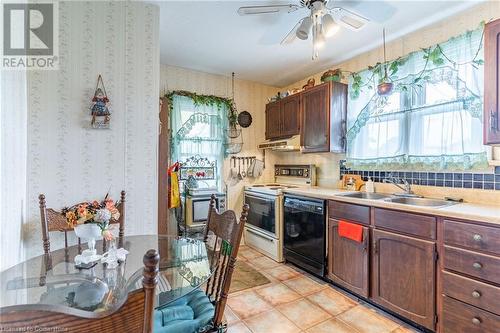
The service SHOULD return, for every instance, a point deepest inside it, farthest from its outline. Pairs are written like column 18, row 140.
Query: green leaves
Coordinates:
column 434, row 55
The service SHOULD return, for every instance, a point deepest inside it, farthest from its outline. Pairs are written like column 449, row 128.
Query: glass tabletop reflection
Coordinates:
column 54, row 283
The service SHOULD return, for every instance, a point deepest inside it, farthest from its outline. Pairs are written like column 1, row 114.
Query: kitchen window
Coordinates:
column 433, row 118
column 198, row 130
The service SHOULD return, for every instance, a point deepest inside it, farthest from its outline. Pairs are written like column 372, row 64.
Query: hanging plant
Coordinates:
column 432, row 55
column 206, row 100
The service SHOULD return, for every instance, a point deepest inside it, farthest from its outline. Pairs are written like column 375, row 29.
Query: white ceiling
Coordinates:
column 210, row 36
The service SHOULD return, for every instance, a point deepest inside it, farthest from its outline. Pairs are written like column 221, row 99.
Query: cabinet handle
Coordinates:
column 476, row 294
column 476, row 321
column 493, row 121
column 477, row 237
column 477, row 265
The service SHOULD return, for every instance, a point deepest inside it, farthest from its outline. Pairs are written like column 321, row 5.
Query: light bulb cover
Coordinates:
column 330, row 27
column 304, row 28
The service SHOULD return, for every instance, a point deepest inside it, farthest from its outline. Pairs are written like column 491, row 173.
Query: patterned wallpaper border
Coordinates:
column 485, row 181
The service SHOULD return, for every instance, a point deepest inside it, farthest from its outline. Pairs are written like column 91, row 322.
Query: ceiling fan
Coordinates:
column 323, row 21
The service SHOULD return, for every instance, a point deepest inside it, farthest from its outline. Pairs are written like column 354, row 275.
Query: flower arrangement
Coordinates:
column 96, row 212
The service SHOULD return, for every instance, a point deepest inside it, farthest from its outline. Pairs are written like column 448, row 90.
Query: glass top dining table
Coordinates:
column 54, row 283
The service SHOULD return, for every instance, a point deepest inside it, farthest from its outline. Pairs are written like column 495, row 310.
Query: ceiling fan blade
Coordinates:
column 255, row 10
column 349, row 19
column 374, row 10
column 291, row 36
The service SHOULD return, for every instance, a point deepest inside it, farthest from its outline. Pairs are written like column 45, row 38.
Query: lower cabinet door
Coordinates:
column 404, row 276
column 348, row 260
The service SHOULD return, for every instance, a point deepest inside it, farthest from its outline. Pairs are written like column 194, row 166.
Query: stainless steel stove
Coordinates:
column 264, row 227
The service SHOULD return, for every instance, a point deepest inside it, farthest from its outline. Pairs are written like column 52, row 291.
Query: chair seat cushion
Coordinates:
column 185, row 315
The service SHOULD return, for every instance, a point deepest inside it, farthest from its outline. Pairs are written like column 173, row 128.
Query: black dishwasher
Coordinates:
column 304, row 233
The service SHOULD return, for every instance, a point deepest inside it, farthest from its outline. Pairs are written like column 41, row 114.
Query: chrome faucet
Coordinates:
column 402, row 184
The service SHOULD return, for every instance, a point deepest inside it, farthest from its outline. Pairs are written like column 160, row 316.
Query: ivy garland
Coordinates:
column 433, row 54
column 206, row 100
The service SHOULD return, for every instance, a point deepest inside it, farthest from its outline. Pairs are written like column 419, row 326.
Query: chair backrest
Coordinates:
column 225, row 233
column 135, row 315
column 53, row 220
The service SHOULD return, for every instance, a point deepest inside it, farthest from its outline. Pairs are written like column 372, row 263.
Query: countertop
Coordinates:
column 486, row 213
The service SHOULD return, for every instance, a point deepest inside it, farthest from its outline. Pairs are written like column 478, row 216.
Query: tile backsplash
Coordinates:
column 486, row 181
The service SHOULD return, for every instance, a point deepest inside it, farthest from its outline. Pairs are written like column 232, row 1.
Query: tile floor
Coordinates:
column 295, row 301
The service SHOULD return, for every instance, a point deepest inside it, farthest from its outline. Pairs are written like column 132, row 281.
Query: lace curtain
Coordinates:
column 198, row 130
column 433, row 118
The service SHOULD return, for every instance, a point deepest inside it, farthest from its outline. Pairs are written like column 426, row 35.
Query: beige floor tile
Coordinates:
column 271, row 322
column 277, row 294
column 332, row 326
column 282, row 272
column 303, row 313
column 238, row 327
column 367, row 320
column 249, row 253
column 331, row 301
column 303, row 285
column 403, row 329
column 247, row 304
column 262, row 263
column 230, row 316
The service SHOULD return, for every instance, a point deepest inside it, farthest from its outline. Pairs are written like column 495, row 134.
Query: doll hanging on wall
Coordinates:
column 100, row 106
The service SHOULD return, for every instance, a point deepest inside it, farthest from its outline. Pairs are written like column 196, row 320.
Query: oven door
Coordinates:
column 197, row 209
column 264, row 213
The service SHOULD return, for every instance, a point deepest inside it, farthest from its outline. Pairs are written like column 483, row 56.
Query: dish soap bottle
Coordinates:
column 369, row 187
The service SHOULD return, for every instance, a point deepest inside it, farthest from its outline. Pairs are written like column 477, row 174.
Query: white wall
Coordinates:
column 70, row 162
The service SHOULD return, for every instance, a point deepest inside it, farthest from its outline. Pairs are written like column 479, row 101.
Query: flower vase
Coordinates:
column 89, row 232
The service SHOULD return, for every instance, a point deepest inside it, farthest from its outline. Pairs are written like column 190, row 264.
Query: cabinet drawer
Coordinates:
column 460, row 317
column 413, row 224
column 482, row 295
column 478, row 265
column 347, row 211
column 473, row 236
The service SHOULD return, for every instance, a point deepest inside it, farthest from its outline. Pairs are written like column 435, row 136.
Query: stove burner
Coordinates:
column 258, row 185
column 274, row 184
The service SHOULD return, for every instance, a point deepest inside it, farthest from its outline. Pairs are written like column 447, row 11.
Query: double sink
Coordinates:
column 413, row 201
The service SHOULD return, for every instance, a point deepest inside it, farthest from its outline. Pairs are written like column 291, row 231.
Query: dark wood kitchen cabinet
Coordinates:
column 403, row 276
column 492, row 83
column 323, row 110
column 273, row 120
column 348, row 260
column 283, row 118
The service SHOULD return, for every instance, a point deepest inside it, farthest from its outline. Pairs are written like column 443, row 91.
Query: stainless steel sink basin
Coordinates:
column 366, row 195
column 420, row 202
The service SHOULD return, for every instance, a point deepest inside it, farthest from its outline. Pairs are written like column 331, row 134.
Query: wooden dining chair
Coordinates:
column 135, row 315
column 53, row 220
column 203, row 311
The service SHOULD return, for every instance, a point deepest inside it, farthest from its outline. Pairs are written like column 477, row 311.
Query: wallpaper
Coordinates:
column 68, row 161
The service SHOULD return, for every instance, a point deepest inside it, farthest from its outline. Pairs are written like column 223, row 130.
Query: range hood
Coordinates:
column 289, row 144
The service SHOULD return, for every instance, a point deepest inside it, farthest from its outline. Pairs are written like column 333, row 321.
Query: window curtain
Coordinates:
column 433, row 118
column 198, row 130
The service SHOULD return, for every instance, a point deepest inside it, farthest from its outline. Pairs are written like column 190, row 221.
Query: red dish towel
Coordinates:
column 351, row 231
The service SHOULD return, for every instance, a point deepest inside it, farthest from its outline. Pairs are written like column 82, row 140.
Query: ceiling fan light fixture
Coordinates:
column 304, row 28
column 330, row 27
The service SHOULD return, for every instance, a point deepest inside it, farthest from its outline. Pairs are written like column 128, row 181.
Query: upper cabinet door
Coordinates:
column 492, row 83
column 273, row 120
column 338, row 117
column 290, row 115
column 315, row 124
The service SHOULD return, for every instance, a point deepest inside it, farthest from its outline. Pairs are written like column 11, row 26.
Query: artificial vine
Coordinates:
column 433, row 55
column 206, row 100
